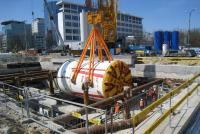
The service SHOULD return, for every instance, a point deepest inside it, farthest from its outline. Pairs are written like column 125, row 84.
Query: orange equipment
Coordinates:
column 117, row 107
column 94, row 41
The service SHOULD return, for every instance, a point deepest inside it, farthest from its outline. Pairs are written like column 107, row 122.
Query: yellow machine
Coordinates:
column 105, row 17
column 104, row 30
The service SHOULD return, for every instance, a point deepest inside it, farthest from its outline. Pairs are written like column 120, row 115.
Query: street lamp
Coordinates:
column 189, row 19
column 25, row 35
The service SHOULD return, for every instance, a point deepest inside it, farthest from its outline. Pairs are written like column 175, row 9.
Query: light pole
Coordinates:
column 189, row 19
column 25, row 35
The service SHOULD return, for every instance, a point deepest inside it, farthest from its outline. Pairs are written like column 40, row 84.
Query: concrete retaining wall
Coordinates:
column 17, row 58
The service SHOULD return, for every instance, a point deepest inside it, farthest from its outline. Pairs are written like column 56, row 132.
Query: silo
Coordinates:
column 158, row 41
column 84, row 28
column 175, row 40
column 167, row 38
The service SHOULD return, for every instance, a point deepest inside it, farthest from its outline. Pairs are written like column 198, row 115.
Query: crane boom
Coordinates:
column 61, row 41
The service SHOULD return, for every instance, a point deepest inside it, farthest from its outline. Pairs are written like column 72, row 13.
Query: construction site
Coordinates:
column 93, row 86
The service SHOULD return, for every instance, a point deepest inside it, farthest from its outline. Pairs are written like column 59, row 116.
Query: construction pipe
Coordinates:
column 111, row 127
column 99, row 129
column 65, row 117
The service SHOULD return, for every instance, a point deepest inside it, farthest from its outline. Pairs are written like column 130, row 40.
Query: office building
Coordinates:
column 38, row 33
column 129, row 25
column 1, row 45
column 17, row 35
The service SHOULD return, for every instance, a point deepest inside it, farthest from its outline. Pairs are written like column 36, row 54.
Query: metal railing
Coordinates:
column 26, row 107
column 170, row 110
column 85, row 121
column 143, row 114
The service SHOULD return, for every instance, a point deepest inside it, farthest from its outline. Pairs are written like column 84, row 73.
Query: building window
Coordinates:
column 68, row 30
column 75, row 24
column 122, row 17
column 67, row 6
column 75, row 31
column 126, row 18
column 76, row 38
column 118, row 29
column 67, row 11
column 68, row 17
column 118, row 17
column 74, row 11
column 140, row 22
column 74, row 17
column 68, row 37
column 68, row 24
column 80, row 9
column 74, row 7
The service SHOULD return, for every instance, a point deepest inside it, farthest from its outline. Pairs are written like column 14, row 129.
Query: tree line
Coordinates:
column 194, row 37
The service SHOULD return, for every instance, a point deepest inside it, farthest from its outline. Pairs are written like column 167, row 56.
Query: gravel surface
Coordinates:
column 12, row 123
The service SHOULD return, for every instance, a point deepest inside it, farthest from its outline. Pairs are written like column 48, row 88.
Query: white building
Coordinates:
column 69, row 22
column 129, row 25
column 38, row 32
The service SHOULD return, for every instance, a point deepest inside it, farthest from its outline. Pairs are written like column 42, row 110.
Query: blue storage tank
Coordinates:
column 175, row 40
column 158, row 41
column 167, row 38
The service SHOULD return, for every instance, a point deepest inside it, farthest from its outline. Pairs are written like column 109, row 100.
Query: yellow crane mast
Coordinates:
column 105, row 18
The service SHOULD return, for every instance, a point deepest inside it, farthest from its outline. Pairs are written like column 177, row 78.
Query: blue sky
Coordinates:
column 157, row 14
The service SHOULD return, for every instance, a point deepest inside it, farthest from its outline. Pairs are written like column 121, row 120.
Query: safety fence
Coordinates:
column 42, row 109
column 170, row 60
column 139, row 117
column 63, row 116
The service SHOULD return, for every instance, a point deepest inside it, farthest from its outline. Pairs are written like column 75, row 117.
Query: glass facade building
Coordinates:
column 38, row 32
column 17, row 35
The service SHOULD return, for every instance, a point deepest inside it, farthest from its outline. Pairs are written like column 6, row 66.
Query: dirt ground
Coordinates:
column 12, row 123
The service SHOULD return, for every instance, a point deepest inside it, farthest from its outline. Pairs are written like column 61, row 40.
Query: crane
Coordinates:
column 104, row 30
column 106, row 18
column 60, row 40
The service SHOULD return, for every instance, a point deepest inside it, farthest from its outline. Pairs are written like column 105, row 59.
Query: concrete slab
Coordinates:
column 67, row 108
column 48, row 102
column 164, row 71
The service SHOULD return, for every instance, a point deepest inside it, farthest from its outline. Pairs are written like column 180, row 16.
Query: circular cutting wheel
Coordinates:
column 117, row 76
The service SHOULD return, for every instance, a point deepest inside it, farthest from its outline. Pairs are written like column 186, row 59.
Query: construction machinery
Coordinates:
column 105, row 77
column 105, row 18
